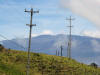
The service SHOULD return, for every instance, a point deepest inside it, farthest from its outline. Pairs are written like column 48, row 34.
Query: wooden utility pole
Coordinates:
column 70, row 37
column 56, row 53
column 61, row 50
column 29, row 47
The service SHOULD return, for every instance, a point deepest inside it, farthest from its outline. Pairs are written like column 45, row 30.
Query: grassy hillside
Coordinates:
column 14, row 62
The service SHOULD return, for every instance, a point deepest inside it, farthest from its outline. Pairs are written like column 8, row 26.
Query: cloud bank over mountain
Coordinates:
column 45, row 32
column 95, row 34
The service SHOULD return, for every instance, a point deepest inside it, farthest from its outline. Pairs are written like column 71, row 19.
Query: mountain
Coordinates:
column 84, row 49
column 14, row 62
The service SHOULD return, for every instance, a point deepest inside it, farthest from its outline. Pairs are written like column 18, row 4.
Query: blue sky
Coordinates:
column 52, row 18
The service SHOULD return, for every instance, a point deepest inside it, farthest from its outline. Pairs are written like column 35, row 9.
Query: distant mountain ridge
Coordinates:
column 83, row 47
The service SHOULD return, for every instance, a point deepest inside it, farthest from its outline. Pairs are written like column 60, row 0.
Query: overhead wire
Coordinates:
column 11, row 41
column 15, row 9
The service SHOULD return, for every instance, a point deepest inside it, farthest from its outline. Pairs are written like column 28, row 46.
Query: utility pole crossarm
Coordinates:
column 70, row 20
column 32, row 11
column 31, row 25
column 36, row 11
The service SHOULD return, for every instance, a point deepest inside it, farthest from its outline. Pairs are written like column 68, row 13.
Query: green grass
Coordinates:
column 14, row 62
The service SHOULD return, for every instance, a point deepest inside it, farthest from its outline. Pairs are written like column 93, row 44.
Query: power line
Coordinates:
column 12, row 42
column 30, row 25
column 70, row 37
column 15, row 9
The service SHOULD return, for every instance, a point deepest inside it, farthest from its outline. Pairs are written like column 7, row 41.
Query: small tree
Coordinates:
column 94, row 65
column 1, row 47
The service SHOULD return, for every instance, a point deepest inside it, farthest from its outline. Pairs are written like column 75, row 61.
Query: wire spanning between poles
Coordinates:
column 29, row 47
column 11, row 41
column 70, row 37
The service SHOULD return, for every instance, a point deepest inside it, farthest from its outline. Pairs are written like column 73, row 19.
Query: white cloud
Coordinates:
column 75, row 43
column 89, row 9
column 61, row 42
column 45, row 32
column 34, row 35
column 96, row 45
column 95, row 34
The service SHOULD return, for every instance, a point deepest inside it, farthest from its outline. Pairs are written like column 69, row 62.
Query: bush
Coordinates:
column 1, row 48
column 94, row 65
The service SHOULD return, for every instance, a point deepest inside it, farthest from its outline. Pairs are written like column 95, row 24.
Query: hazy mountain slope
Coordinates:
column 82, row 47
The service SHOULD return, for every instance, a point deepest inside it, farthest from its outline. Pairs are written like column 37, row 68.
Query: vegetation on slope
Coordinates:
column 14, row 62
